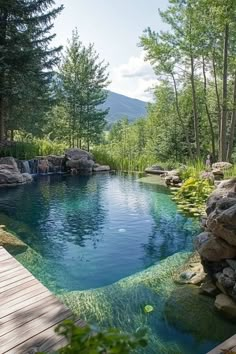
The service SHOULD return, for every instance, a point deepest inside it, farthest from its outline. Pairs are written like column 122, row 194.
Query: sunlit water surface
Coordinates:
column 93, row 231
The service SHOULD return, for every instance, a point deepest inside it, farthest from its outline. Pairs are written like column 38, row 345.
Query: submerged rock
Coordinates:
column 11, row 243
column 226, row 306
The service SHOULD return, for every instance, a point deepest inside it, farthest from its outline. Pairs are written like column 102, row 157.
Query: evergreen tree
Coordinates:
column 83, row 79
column 26, row 59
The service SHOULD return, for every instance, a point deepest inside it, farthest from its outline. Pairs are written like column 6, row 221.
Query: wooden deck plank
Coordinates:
column 26, row 311
column 13, row 285
column 32, row 328
column 25, row 317
column 17, row 289
column 29, row 312
column 6, row 311
column 24, row 298
column 229, row 345
column 20, row 293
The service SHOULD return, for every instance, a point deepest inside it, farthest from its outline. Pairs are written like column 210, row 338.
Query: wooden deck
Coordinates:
column 227, row 347
column 29, row 312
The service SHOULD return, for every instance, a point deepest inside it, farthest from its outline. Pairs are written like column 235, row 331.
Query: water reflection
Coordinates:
column 93, row 231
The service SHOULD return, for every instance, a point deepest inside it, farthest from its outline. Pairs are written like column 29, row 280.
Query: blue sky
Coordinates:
column 114, row 26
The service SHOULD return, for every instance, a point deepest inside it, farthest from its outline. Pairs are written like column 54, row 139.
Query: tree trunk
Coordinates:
column 223, row 121
column 207, row 110
column 185, row 130
column 232, row 125
column 217, row 94
column 2, row 119
column 195, row 113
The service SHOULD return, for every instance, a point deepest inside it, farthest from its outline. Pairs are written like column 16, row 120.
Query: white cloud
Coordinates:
column 134, row 79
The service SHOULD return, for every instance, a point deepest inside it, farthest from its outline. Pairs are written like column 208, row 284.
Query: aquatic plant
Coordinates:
column 148, row 308
column 192, row 195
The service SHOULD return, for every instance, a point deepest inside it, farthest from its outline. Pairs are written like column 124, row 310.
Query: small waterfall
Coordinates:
column 26, row 166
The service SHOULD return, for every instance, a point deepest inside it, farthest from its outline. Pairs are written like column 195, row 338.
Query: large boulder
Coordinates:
column 55, row 163
column 222, row 221
column 10, row 174
column 77, row 154
column 83, row 164
column 213, row 248
column 226, row 189
column 222, row 166
column 9, row 161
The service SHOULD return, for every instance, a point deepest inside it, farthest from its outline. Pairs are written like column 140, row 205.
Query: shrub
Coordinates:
column 88, row 340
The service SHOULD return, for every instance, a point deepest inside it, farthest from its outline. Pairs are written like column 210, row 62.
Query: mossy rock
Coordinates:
column 188, row 311
column 11, row 243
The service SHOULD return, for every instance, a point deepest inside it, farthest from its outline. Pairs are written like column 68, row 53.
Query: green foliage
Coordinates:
column 27, row 61
column 192, row 169
column 192, row 195
column 88, row 340
column 31, row 147
column 82, row 80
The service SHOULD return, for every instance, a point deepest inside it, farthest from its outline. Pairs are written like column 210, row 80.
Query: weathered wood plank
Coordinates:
column 13, row 285
column 19, row 294
column 229, row 345
column 23, row 298
column 17, row 289
column 32, row 328
column 26, row 316
column 6, row 311
column 14, row 279
column 29, row 312
column 26, row 311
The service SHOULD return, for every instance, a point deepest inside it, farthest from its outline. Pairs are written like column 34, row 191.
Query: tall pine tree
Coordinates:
column 83, row 79
column 26, row 59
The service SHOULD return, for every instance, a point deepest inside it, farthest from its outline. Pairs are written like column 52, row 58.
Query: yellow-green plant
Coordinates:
column 192, row 195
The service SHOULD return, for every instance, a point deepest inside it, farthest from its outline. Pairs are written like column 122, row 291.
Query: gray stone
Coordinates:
column 101, row 168
column 208, row 288
column 231, row 263
column 77, row 154
column 9, row 161
column 225, row 281
column 82, row 164
column 222, row 165
column 187, row 275
column 213, row 248
column 229, row 272
column 226, row 306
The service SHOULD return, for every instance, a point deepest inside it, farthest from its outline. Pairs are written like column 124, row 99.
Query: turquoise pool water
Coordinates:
column 93, row 231
column 108, row 245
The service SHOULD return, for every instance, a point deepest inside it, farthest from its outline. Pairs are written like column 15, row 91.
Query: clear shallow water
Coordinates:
column 94, row 231
column 91, row 240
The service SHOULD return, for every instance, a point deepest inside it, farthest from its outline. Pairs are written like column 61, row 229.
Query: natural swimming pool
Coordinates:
column 109, row 244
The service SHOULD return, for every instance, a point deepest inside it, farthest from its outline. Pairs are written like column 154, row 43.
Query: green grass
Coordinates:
column 29, row 148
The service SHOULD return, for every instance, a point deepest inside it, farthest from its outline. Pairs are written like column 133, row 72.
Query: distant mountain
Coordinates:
column 123, row 106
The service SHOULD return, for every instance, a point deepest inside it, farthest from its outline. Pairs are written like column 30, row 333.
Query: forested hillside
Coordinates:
column 121, row 106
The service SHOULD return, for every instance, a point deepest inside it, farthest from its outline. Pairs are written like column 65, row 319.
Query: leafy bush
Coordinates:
column 191, row 197
column 31, row 147
column 88, row 340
